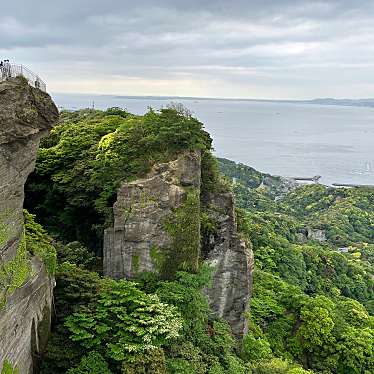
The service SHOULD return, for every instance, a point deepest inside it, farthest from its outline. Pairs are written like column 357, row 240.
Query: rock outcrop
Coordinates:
column 138, row 240
column 309, row 233
column 26, row 114
column 155, row 214
column 232, row 260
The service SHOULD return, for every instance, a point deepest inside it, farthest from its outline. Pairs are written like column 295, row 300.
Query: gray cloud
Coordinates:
column 232, row 48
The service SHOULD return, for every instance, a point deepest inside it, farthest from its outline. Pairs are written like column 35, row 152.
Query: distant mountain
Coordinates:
column 79, row 101
column 344, row 102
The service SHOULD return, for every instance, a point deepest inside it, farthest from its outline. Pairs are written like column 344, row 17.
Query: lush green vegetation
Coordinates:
column 39, row 243
column 182, row 227
column 156, row 325
column 312, row 303
column 312, row 306
column 151, row 326
column 8, row 368
column 82, row 162
column 15, row 272
column 34, row 241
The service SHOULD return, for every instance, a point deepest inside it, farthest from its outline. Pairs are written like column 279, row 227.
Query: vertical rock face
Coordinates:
column 232, row 260
column 26, row 114
column 134, row 243
column 140, row 240
column 25, row 321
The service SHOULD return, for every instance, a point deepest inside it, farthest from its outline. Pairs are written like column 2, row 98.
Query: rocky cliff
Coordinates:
column 157, row 227
column 26, row 114
column 139, row 240
column 232, row 259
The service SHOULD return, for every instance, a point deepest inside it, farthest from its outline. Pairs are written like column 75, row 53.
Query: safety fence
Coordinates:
column 8, row 70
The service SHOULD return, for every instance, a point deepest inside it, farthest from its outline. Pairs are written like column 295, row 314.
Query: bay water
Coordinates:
column 287, row 139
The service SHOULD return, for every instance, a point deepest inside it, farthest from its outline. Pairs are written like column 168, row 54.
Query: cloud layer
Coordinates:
column 238, row 48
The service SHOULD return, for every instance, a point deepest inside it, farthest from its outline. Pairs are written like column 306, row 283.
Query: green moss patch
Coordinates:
column 14, row 273
column 183, row 226
column 158, row 256
column 135, row 263
column 35, row 241
column 8, row 368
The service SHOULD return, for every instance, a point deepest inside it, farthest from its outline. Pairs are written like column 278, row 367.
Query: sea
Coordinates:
column 289, row 139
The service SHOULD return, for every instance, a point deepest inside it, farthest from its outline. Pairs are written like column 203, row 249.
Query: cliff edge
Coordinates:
column 26, row 115
column 157, row 227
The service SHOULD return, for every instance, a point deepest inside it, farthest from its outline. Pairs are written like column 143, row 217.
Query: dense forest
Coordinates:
column 313, row 299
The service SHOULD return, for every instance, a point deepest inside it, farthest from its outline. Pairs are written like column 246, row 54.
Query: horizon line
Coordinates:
column 162, row 97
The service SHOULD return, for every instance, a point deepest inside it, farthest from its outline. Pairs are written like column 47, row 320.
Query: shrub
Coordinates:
column 124, row 322
column 93, row 363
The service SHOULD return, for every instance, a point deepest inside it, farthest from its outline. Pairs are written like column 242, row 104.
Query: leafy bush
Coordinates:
column 124, row 322
column 152, row 361
column 77, row 253
column 278, row 366
column 93, row 363
column 38, row 242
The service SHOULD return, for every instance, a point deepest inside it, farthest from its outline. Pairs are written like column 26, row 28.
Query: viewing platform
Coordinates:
column 8, row 70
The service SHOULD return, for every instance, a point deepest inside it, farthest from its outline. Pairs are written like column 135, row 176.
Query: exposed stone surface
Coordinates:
column 308, row 233
column 26, row 114
column 139, row 215
column 316, row 234
column 233, row 263
column 140, row 212
column 26, row 320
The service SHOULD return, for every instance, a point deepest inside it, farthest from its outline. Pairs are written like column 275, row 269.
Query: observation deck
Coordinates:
column 8, row 70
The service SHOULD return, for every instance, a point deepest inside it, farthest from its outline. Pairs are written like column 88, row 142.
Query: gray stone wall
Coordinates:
column 233, row 262
column 140, row 211
column 26, row 114
column 26, row 320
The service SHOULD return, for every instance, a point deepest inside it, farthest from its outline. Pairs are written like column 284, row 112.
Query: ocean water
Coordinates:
column 287, row 139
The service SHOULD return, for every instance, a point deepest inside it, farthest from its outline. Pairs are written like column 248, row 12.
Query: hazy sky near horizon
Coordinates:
column 215, row 48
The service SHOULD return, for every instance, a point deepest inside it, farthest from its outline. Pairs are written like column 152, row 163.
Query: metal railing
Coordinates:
column 12, row 71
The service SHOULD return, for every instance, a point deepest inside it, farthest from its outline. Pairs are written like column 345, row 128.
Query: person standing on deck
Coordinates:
column 6, row 73
column 2, row 70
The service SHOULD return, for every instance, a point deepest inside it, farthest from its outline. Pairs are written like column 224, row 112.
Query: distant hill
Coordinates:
column 80, row 101
column 343, row 102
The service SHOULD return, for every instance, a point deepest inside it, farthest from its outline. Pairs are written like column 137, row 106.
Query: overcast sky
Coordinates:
column 215, row 48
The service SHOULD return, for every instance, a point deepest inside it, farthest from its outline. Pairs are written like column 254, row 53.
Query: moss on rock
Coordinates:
column 183, row 226
column 14, row 273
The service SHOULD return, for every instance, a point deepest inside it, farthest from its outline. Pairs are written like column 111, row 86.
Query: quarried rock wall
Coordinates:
column 138, row 240
column 157, row 223
column 25, row 322
column 26, row 114
column 232, row 260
